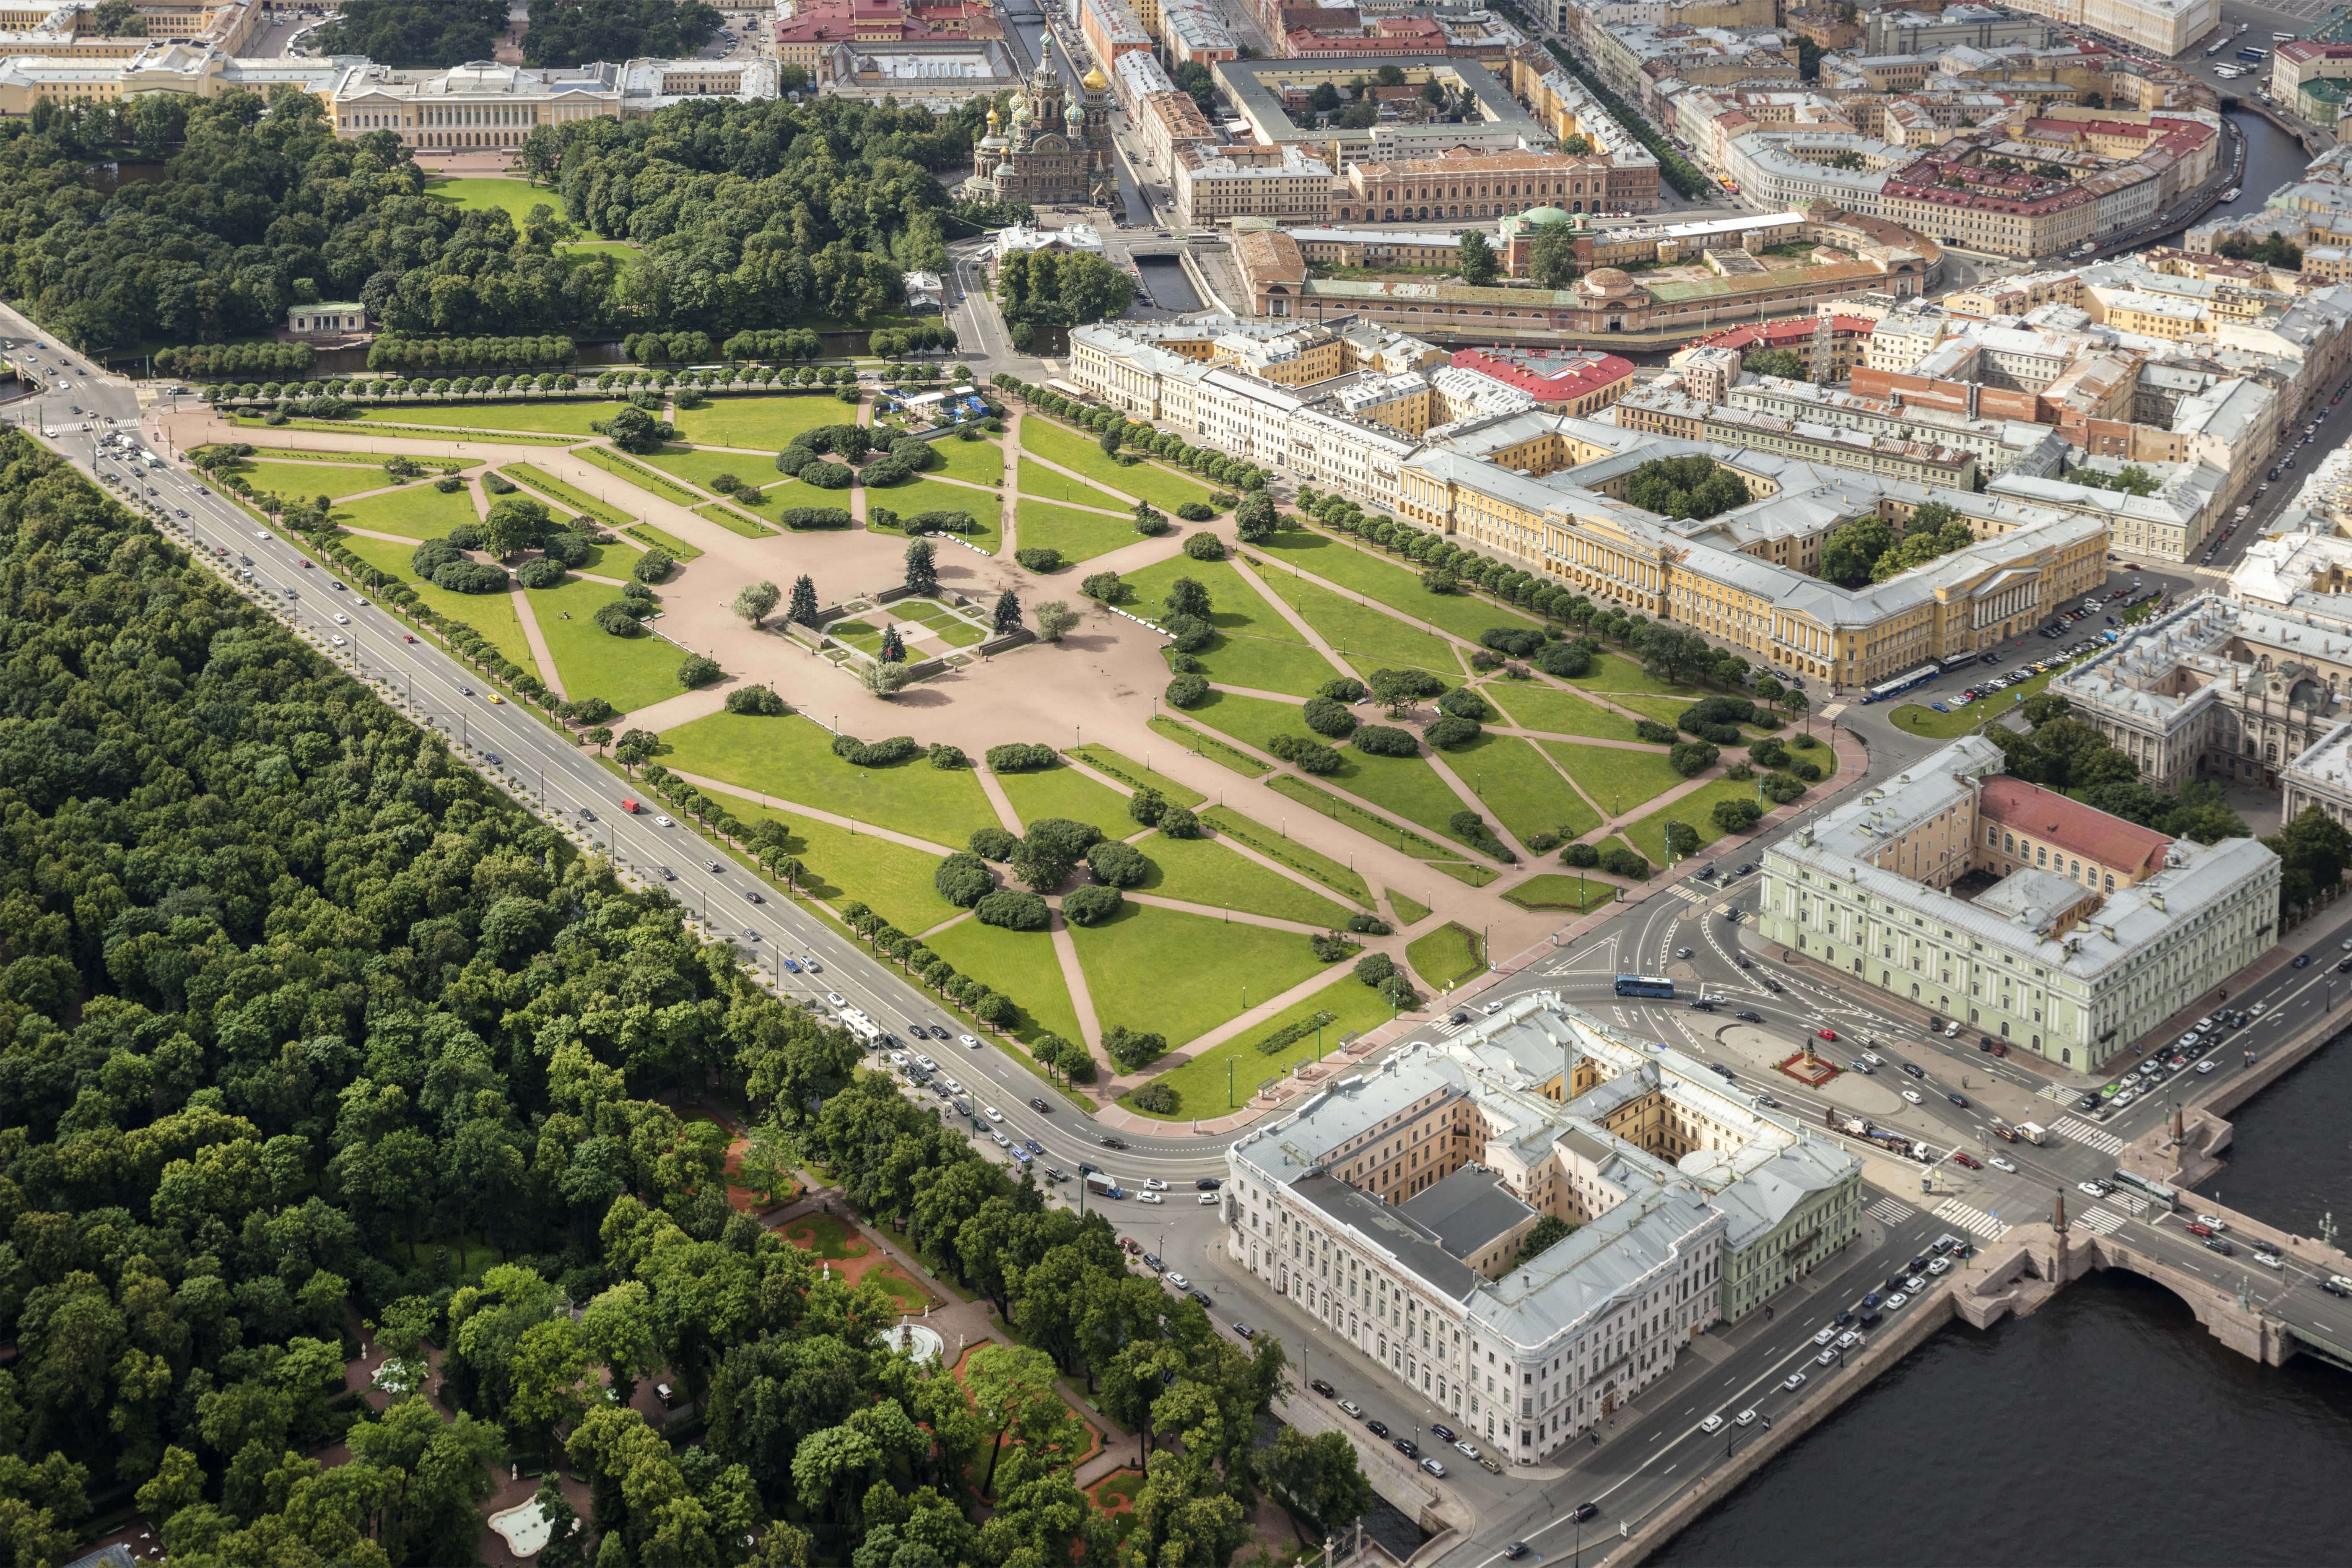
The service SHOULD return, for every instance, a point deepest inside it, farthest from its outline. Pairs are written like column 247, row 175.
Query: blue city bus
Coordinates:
column 1644, row 986
column 1901, row 683
column 2249, row 54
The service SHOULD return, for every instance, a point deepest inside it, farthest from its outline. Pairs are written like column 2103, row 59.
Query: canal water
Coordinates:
column 2274, row 158
column 1170, row 289
column 2290, row 1160
column 2109, row 1427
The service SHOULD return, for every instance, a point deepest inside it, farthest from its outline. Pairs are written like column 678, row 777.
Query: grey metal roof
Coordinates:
column 1468, row 1210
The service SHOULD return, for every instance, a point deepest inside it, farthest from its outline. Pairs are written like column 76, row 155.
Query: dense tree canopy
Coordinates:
column 307, row 1032
column 415, row 35
column 750, row 217
column 1686, row 487
column 295, row 1004
column 576, row 32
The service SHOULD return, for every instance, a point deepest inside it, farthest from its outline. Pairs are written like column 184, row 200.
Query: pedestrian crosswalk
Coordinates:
column 1890, row 1211
column 2088, row 1135
column 1689, row 894
column 2136, row 1207
column 2057, row 1092
column 1975, row 1221
column 2106, row 1222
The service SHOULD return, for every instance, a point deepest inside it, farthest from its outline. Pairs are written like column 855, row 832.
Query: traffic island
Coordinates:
column 1807, row 1069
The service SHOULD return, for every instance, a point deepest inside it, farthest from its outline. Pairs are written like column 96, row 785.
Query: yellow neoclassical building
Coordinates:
column 1548, row 494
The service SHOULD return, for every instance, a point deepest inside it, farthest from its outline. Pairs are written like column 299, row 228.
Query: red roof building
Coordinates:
column 1571, row 383
column 2025, row 825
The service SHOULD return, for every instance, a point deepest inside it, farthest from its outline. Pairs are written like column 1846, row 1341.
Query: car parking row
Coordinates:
column 2031, row 668
column 1410, row 1447
column 1848, row 1331
column 2191, row 1052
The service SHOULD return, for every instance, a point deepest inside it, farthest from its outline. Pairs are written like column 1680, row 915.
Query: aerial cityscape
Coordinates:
column 1416, row 783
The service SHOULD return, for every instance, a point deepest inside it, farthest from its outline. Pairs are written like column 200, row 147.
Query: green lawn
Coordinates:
column 1696, row 808
column 629, row 471
column 1201, row 1083
column 304, row 455
column 980, row 461
column 734, row 521
column 1617, row 780
column 825, row 1236
column 517, row 196
column 567, row 418
column 699, row 465
column 1234, row 606
column 984, row 507
column 1373, row 636
column 1276, row 843
column 1265, row 664
column 566, row 496
column 492, row 614
column 1254, row 720
column 1022, row 965
column 891, row 879
column 791, row 759
column 1516, row 786
column 913, row 617
column 1666, row 710
column 762, row 423
column 1135, row 775
column 1615, row 672
column 580, row 251
column 1339, row 808
column 928, row 494
column 1202, row 872
column 1078, row 535
column 1407, row 787
column 416, row 512
column 1532, row 707
column 628, row 672
column 303, row 480
column 1201, row 744
column 388, row 555
column 1181, row 974
column 1063, row 791
column 1554, row 891
column 1080, row 453
column 645, row 534
column 1446, row 956
column 1392, row 585
column 1034, row 478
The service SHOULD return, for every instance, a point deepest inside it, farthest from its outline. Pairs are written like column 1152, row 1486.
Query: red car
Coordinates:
column 2196, row 1229
column 1826, row 1034
column 1966, row 1161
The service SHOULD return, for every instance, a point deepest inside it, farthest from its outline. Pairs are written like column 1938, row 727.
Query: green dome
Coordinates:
column 1538, row 217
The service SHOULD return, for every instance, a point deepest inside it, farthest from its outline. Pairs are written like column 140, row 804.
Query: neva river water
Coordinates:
column 2108, row 1428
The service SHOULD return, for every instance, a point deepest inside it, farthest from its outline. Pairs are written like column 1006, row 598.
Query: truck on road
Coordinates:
column 1886, row 1138
column 2032, row 1133
column 1104, row 1183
